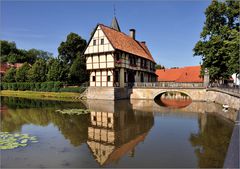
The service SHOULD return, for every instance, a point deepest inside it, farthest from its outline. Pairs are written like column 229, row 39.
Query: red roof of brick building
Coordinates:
column 187, row 74
column 125, row 43
column 5, row 66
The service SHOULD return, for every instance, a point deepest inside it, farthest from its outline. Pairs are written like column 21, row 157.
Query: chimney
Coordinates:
column 132, row 33
column 143, row 42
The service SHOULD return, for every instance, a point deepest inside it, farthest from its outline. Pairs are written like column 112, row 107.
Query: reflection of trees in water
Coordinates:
column 15, row 102
column 72, row 127
column 211, row 143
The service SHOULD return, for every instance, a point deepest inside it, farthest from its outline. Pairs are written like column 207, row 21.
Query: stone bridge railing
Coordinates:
column 167, row 85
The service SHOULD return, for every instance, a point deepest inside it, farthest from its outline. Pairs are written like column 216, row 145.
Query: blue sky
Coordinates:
column 170, row 28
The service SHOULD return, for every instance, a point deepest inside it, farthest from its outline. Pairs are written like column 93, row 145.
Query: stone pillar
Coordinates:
column 206, row 78
column 121, row 77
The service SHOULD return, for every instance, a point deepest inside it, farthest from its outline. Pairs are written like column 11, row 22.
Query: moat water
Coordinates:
column 116, row 134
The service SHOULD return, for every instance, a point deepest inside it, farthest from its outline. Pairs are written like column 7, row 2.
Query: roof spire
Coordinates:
column 114, row 11
column 114, row 24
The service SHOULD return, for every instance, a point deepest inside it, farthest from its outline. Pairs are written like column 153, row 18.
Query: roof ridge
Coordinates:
column 138, row 43
column 145, row 50
column 120, row 32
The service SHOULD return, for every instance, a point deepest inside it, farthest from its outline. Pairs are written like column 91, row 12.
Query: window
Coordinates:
column 94, row 118
column 130, row 58
column 117, row 57
column 102, row 41
column 93, row 78
column 109, row 120
column 94, row 42
column 109, row 78
column 125, row 77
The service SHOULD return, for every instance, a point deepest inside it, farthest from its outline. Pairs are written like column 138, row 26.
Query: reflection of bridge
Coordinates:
column 191, row 110
column 194, row 91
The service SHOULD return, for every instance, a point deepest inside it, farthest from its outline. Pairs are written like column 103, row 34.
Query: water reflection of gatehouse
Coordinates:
column 115, row 134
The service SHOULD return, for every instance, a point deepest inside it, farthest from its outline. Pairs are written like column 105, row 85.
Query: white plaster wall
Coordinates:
column 98, row 35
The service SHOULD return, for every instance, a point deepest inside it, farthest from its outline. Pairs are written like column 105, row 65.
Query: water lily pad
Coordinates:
column 17, row 135
column 24, row 141
column 11, row 141
column 35, row 141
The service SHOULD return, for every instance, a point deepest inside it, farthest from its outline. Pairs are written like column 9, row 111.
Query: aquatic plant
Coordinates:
column 74, row 111
column 14, row 140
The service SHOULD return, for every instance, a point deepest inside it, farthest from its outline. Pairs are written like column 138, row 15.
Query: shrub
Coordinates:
column 20, row 86
column 40, row 86
column 55, row 90
column 37, row 86
column 50, row 86
column 4, row 86
column 58, row 85
column 9, row 86
column 32, row 86
column 71, row 89
column 14, row 86
column 26, row 86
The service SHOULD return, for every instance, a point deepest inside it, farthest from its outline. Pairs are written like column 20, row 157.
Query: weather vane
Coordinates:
column 114, row 10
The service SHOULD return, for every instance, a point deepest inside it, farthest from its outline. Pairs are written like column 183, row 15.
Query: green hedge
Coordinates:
column 44, row 86
column 72, row 89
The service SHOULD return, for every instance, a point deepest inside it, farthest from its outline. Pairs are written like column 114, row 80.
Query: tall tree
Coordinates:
column 57, row 71
column 10, row 75
column 38, row 71
column 22, row 72
column 219, row 43
column 78, row 73
column 33, row 54
column 68, row 50
column 6, row 48
column 159, row 66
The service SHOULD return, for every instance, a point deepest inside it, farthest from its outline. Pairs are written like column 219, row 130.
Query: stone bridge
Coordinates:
column 196, row 94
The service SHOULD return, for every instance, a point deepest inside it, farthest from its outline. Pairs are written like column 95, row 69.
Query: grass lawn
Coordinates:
column 67, row 96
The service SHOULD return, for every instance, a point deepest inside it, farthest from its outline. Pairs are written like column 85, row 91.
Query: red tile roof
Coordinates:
column 125, row 43
column 5, row 66
column 187, row 74
column 18, row 65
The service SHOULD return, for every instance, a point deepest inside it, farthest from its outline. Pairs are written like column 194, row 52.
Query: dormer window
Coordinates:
column 102, row 41
column 94, row 42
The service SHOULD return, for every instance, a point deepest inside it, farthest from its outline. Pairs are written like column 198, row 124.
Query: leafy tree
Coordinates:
column 68, row 50
column 6, row 49
column 10, row 53
column 159, row 66
column 57, row 71
column 33, row 54
column 39, row 54
column 38, row 71
column 10, row 75
column 22, row 72
column 219, row 43
column 78, row 73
